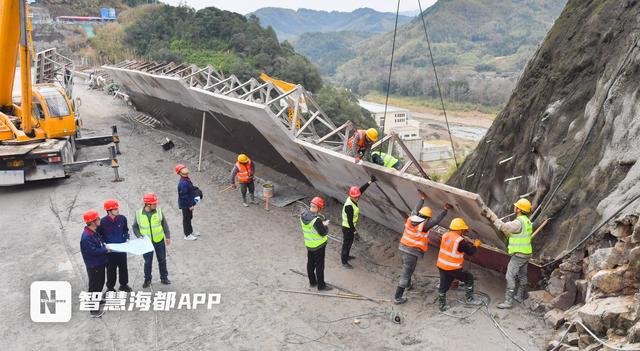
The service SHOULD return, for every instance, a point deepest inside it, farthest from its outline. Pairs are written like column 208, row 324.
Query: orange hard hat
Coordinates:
column 318, row 202
column 111, row 204
column 179, row 167
column 150, row 198
column 90, row 216
column 354, row 191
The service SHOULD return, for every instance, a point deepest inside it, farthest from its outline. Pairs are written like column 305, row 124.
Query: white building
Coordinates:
column 397, row 120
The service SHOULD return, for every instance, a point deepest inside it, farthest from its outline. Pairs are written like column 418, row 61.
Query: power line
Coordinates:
column 393, row 50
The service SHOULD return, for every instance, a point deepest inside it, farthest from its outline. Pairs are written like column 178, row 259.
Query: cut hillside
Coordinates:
column 571, row 126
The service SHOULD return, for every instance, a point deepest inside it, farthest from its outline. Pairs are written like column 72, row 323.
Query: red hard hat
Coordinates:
column 150, row 198
column 90, row 216
column 318, row 202
column 354, row 191
column 111, row 204
column 179, row 167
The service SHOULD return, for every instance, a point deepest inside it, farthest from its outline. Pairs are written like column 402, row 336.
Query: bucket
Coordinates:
column 267, row 190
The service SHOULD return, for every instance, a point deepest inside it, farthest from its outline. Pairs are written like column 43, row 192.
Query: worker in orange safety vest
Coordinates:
column 244, row 169
column 414, row 242
column 453, row 246
column 360, row 143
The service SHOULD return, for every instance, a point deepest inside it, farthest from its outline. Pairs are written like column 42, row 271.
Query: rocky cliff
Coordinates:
column 571, row 126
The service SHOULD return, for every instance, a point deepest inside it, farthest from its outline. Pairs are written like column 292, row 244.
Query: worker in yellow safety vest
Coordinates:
column 316, row 235
column 150, row 222
column 453, row 246
column 350, row 215
column 414, row 243
column 519, row 232
column 386, row 160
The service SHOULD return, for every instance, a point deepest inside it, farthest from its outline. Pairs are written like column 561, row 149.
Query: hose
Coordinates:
column 593, row 335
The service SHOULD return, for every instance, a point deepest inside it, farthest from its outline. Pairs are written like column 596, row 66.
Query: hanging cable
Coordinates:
column 435, row 73
column 393, row 50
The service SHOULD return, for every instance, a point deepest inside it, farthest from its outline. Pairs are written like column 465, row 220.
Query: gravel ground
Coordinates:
column 245, row 254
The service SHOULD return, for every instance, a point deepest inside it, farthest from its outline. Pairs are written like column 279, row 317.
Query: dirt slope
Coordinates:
column 576, row 101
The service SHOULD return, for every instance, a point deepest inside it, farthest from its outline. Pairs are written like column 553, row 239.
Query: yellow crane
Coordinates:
column 38, row 129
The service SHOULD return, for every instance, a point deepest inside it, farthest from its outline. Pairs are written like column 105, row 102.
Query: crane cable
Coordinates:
column 393, row 50
column 435, row 73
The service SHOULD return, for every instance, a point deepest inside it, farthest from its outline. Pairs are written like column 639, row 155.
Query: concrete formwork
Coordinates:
column 332, row 172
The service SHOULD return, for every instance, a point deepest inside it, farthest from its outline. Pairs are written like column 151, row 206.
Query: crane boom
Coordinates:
column 9, row 12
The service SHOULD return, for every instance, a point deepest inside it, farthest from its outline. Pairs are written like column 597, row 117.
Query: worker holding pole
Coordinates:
column 316, row 235
column 453, row 246
column 244, row 169
column 151, row 222
column 115, row 230
column 350, row 215
column 415, row 242
column 187, row 200
column 360, row 143
column 520, row 232
column 94, row 254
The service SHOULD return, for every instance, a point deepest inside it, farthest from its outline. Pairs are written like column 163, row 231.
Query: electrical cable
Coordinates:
column 393, row 50
column 435, row 73
column 594, row 336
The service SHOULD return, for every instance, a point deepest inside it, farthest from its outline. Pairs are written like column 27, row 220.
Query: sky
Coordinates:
column 246, row 6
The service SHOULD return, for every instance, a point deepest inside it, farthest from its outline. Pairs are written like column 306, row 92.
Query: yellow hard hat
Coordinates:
column 426, row 211
column 372, row 134
column 242, row 158
column 524, row 205
column 458, row 224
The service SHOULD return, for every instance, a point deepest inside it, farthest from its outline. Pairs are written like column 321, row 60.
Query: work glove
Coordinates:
column 477, row 243
column 422, row 194
column 326, row 223
column 448, row 206
column 373, row 178
column 197, row 199
column 234, row 185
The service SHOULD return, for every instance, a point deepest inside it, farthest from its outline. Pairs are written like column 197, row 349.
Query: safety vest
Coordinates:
column 362, row 140
column 153, row 229
column 312, row 238
column 449, row 258
column 244, row 172
column 388, row 160
column 414, row 237
column 356, row 211
column 521, row 242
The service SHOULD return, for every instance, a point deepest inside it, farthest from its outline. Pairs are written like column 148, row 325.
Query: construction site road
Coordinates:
column 244, row 254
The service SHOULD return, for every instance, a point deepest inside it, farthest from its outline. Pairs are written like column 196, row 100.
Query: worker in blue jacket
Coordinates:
column 186, row 201
column 114, row 230
column 94, row 252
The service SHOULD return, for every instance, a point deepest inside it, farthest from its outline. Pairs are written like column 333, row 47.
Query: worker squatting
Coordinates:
column 149, row 221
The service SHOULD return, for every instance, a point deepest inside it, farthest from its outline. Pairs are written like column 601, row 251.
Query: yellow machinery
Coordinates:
column 285, row 87
column 37, row 130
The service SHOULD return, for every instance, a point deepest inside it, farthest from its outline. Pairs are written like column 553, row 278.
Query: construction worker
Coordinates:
column 453, row 246
column 350, row 214
column 245, row 170
column 186, row 201
column 94, row 254
column 519, row 232
column 315, row 231
column 360, row 143
column 151, row 222
column 114, row 230
column 415, row 242
column 386, row 160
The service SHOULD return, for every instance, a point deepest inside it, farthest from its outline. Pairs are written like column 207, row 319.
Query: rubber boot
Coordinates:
column 469, row 298
column 253, row 199
column 442, row 302
column 521, row 294
column 410, row 286
column 508, row 300
column 399, row 299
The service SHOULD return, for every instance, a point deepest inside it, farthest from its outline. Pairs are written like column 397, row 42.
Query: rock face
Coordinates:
column 571, row 126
